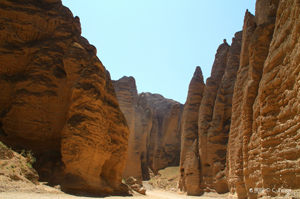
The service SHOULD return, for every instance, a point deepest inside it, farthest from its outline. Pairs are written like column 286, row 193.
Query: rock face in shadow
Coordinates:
column 189, row 161
column 139, row 122
column 57, row 99
column 154, row 123
column 164, row 138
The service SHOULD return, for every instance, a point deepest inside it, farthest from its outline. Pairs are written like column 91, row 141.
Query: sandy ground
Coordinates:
column 151, row 194
column 45, row 192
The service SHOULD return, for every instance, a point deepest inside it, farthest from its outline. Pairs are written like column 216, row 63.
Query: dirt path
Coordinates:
column 151, row 194
column 19, row 190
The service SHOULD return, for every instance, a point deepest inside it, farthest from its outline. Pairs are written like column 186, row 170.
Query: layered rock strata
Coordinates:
column 189, row 157
column 57, row 99
column 243, row 172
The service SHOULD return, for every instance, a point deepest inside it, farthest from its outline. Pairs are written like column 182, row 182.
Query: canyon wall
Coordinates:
column 268, row 126
column 206, row 123
column 164, row 140
column 154, row 124
column 57, row 99
column 248, row 124
column 215, row 116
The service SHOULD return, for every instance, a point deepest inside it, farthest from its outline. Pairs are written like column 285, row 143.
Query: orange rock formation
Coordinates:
column 189, row 161
column 139, row 122
column 57, row 99
column 248, row 136
column 154, row 124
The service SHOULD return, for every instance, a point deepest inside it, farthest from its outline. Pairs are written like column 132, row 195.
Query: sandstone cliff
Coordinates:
column 189, row 163
column 154, row 124
column 139, row 122
column 164, row 138
column 268, row 119
column 213, row 142
column 258, row 32
column 57, row 99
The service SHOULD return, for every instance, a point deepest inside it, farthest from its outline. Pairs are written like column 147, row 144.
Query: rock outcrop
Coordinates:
column 269, row 122
column 154, row 123
column 189, row 163
column 57, row 99
column 213, row 142
column 164, row 138
column 139, row 122
column 135, row 185
column 206, row 122
column 207, row 140
column 257, row 35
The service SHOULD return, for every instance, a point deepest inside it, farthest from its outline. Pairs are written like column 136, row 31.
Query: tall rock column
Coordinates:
column 218, row 133
column 206, row 112
column 242, row 172
column 189, row 157
column 139, row 122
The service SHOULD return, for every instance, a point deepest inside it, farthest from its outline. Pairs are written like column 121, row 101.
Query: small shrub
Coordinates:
column 30, row 159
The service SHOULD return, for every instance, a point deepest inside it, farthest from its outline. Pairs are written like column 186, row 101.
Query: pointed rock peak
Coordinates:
column 198, row 73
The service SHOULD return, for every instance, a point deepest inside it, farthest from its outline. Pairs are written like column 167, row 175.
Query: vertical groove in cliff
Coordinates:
column 243, row 172
column 276, row 109
column 206, row 111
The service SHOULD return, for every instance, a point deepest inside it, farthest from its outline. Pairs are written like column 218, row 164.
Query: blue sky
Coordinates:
column 159, row 42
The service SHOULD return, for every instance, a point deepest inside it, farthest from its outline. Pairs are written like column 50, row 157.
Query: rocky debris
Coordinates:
column 57, row 99
column 139, row 122
column 154, row 123
column 189, row 177
column 166, row 179
column 135, row 185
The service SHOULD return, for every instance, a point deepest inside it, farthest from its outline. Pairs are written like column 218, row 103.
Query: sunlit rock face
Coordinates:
column 214, row 130
column 154, row 124
column 189, row 157
column 243, row 152
column 57, row 99
column 206, row 123
column 248, row 114
column 139, row 122
column 269, row 124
